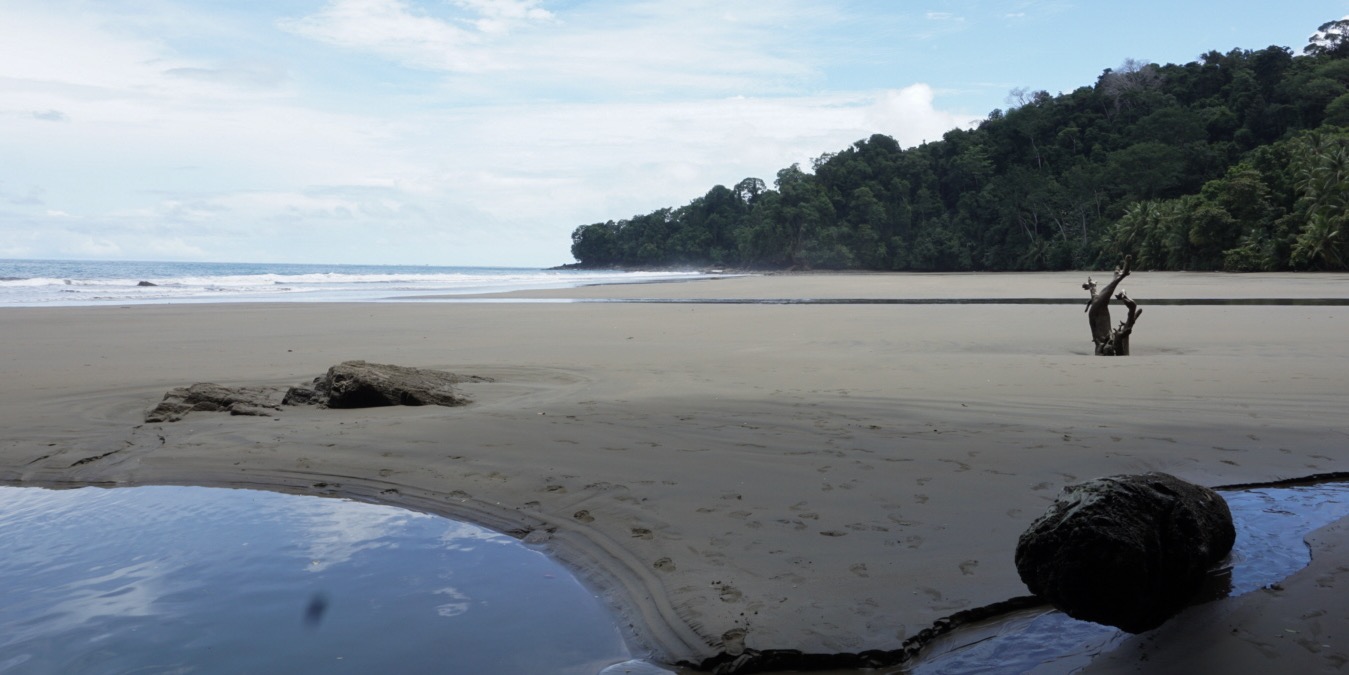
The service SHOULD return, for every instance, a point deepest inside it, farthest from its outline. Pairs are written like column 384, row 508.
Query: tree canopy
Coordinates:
column 1237, row 161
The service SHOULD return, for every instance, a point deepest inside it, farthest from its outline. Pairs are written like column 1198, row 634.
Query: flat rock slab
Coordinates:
column 1127, row 551
column 211, row 397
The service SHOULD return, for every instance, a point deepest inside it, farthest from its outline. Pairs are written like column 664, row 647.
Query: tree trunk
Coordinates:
column 1110, row 340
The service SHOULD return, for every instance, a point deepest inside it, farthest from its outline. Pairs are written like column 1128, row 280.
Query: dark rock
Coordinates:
column 211, row 397
column 357, row 384
column 147, row 283
column 1127, row 551
column 300, row 396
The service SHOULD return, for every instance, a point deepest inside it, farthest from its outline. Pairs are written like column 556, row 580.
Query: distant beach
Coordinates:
column 823, row 477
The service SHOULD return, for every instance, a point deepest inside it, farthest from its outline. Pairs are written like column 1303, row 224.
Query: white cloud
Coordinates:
column 498, row 16
column 632, row 49
column 395, row 30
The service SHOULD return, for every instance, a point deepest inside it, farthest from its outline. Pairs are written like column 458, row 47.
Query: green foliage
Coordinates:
column 1321, row 171
column 1237, row 161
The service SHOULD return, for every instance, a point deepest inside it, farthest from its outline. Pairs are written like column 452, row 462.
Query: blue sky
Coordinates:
column 481, row 132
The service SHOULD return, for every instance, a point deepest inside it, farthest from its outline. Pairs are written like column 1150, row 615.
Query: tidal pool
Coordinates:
column 213, row 580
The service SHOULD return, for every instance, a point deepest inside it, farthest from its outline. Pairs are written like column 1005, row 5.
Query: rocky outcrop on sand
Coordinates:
column 358, row 384
column 211, row 397
column 1127, row 551
column 350, row 384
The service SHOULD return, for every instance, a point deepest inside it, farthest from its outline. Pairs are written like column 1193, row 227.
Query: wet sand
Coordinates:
column 829, row 478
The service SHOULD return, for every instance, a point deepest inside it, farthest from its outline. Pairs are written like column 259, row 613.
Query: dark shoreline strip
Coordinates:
column 1308, row 302
column 1280, row 302
column 1314, row 479
column 759, row 661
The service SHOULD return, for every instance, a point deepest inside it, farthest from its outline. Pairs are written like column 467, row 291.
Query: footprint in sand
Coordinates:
column 583, row 516
column 664, row 565
column 898, row 519
column 642, row 533
column 967, row 567
column 931, row 593
column 733, row 641
column 727, row 592
column 860, row 569
column 867, row 527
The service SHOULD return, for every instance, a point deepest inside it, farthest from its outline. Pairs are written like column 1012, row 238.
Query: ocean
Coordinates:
column 53, row 283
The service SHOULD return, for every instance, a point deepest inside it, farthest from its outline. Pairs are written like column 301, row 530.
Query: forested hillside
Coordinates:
column 1237, row 161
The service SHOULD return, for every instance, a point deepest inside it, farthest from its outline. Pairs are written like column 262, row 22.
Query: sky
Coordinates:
column 482, row 132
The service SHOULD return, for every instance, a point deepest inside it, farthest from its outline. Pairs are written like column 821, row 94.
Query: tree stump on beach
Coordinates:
column 1111, row 340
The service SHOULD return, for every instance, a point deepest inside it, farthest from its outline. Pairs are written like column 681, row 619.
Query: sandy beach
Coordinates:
column 822, row 477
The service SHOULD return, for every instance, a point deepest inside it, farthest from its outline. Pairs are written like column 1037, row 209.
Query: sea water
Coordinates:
column 26, row 283
column 213, row 580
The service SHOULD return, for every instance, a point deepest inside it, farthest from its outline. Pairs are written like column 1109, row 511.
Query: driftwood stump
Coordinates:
column 1110, row 340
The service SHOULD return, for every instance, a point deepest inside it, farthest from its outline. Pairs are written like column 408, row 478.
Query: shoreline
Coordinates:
column 817, row 477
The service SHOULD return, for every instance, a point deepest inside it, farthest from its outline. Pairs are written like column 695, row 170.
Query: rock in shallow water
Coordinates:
column 1127, row 551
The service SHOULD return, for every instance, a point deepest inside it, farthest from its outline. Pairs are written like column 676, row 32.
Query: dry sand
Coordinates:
column 830, row 478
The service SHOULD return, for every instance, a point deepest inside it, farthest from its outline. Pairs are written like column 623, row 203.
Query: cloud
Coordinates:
column 257, row 73
column 31, row 197
column 911, row 116
column 628, row 50
column 395, row 30
column 50, row 116
column 498, row 16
